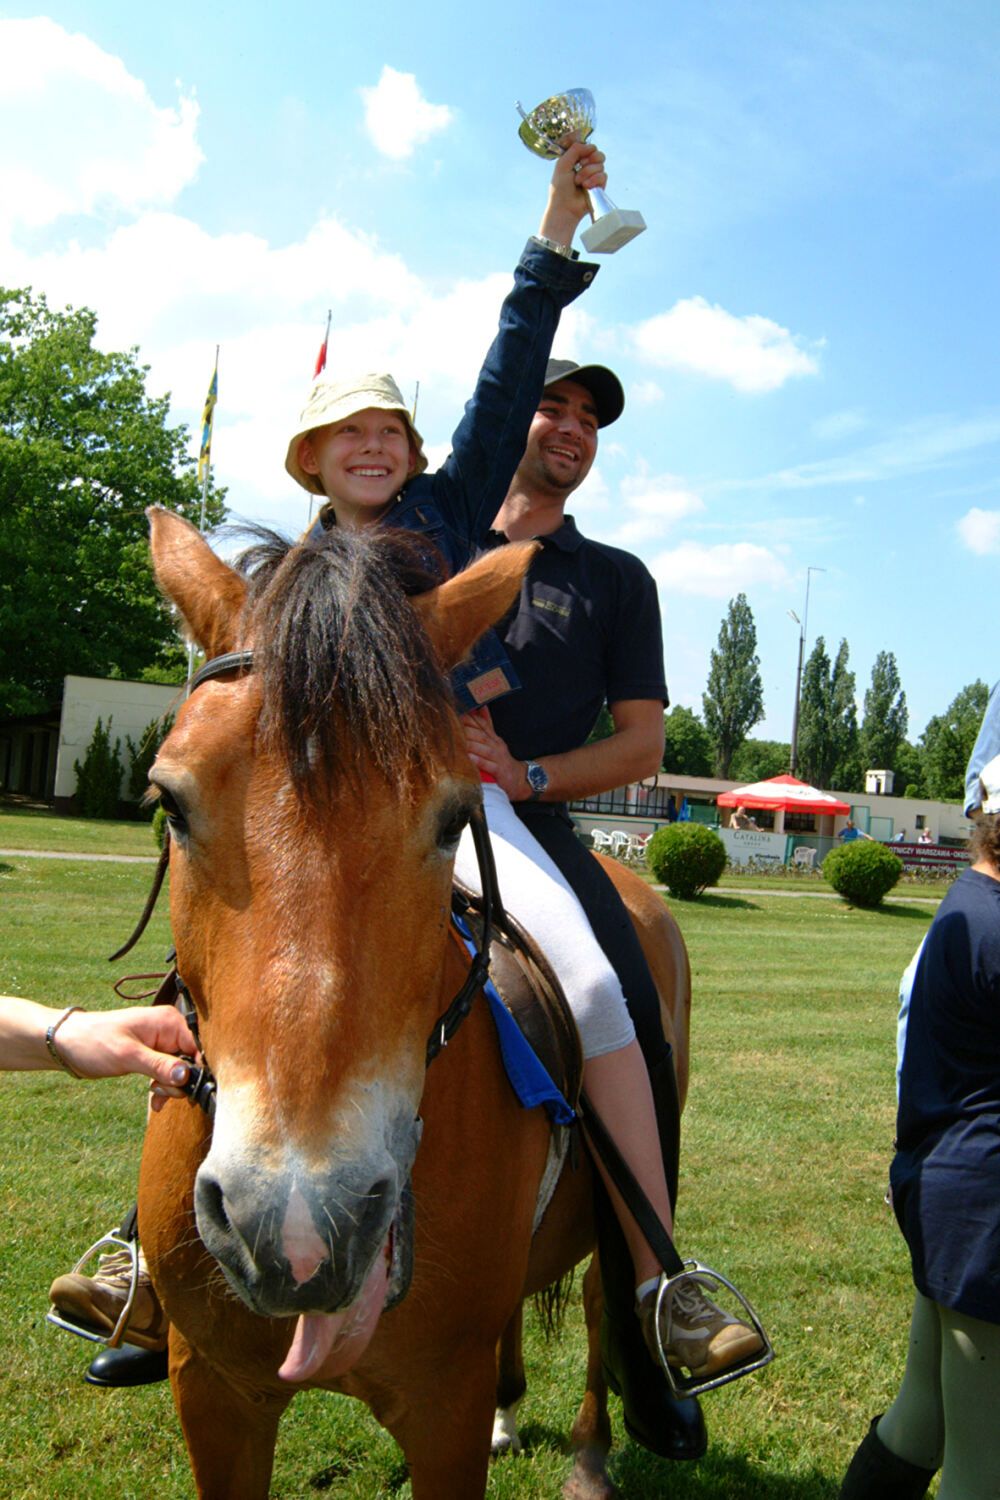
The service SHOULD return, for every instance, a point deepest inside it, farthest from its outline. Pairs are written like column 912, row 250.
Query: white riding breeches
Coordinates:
column 535, row 892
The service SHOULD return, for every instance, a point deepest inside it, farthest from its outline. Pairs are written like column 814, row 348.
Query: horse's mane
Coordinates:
column 349, row 678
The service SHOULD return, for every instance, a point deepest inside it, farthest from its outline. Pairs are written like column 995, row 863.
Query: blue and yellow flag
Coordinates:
column 205, row 455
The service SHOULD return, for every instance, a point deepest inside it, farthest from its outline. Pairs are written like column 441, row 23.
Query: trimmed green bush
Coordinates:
column 862, row 871
column 686, row 858
column 99, row 778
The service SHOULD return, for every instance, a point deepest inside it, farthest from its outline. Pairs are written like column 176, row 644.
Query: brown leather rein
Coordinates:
column 201, row 1085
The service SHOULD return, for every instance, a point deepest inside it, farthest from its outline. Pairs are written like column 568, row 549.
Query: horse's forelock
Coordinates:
column 348, row 675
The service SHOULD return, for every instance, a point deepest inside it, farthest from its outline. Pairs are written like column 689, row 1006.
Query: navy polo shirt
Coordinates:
column 585, row 631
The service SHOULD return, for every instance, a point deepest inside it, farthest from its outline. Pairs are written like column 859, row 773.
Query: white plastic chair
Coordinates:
column 601, row 841
column 804, row 857
column 635, row 853
column 619, row 842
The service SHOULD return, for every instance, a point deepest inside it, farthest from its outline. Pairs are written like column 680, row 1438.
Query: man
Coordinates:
column 587, row 632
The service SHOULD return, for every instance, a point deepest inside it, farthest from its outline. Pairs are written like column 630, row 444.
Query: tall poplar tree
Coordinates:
column 734, row 698
column 883, row 729
column 828, row 720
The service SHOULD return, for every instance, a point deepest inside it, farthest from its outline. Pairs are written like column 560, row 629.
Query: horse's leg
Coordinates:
column 230, row 1436
column 511, row 1385
column 445, row 1430
column 592, row 1429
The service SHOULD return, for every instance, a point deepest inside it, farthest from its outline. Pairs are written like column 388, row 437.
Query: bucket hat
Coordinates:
column 332, row 401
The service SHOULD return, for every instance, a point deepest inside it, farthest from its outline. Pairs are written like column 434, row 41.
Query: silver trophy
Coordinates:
column 547, row 131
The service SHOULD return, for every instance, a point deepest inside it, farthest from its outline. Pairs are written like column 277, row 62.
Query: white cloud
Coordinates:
column 839, row 424
column 645, row 393
column 718, row 572
column 652, row 504
column 751, row 353
column 397, row 116
column 79, row 134
column 980, row 531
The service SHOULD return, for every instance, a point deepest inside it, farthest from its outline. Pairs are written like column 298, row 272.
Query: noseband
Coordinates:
column 201, row 1085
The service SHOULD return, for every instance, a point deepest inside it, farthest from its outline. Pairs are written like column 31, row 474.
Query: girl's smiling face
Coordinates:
column 362, row 462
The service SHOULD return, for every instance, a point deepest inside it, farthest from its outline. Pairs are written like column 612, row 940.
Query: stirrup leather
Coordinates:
column 694, row 1385
column 87, row 1330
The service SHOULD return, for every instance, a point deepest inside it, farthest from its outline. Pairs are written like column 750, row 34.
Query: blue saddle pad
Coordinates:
column 528, row 1075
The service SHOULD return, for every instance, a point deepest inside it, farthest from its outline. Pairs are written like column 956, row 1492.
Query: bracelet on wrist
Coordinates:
column 50, row 1040
column 566, row 251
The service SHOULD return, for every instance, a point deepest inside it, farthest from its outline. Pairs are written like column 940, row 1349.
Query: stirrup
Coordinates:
column 694, row 1385
column 87, row 1330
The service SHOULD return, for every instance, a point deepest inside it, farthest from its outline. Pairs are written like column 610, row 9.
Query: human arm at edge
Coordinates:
column 632, row 752
column 96, row 1044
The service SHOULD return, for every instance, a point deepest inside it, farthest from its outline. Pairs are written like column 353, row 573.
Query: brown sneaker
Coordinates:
column 697, row 1334
column 98, row 1301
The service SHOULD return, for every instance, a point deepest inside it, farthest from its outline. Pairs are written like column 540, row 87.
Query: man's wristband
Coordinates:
column 566, row 251
column 50, row 1039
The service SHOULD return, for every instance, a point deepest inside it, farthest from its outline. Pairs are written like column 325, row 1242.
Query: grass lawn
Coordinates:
column 38, row 828
column 788, row 1135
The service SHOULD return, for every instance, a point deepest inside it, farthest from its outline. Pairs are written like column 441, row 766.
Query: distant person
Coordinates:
column 946, row 1196
column 741, row 819
column 926, row 836
column 987, row 746
column 850, row 832
column 900, row 837
column 97, row 1044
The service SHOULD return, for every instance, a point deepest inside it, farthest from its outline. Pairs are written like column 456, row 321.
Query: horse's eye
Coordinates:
column 172, row 808
column 453, row 820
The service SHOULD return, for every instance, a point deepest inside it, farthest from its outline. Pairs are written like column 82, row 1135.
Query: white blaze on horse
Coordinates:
column 355, row 1218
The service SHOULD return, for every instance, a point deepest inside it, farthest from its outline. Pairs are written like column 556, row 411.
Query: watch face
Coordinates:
column 537, row 778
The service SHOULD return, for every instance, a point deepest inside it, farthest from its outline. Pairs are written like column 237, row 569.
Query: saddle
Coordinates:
column 528, row 986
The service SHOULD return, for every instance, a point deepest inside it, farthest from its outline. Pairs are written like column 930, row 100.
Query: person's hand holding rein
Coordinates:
column 99, row 1044
column 576, row 172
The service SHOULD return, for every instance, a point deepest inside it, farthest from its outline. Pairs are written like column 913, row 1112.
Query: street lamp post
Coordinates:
column 803, row 625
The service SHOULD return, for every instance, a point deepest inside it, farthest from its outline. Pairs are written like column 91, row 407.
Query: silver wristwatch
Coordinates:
column 538, row 778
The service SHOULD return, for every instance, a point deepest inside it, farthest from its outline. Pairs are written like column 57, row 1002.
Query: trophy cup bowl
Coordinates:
column 547, row 131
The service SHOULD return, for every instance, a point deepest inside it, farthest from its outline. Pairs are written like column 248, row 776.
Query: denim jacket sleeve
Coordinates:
column 488, row 443
column 986, row 747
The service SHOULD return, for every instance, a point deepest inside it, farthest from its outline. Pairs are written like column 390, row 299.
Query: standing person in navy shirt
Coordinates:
column 946, row 1196
column 586, row 633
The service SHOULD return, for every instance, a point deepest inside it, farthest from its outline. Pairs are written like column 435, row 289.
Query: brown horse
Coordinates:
column 302, row 1239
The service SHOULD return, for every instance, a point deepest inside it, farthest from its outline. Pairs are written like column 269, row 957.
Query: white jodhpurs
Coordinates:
column 535, row 892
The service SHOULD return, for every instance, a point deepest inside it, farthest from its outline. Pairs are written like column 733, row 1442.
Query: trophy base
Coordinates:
column 613, row 230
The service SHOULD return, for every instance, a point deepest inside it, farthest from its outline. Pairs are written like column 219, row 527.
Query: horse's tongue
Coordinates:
column 334, row 1342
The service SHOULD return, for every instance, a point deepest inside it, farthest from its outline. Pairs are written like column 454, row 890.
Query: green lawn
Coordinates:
column 788, row 1136
column 37, row 828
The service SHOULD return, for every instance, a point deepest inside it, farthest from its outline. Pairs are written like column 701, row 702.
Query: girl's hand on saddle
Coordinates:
column 576, row 172
column 489, row 753
column 144, row 1039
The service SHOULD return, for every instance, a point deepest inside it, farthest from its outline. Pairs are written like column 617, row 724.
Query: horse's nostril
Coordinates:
column 212, row 1202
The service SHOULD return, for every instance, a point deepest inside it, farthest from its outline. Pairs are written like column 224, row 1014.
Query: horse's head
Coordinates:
column 315, row 803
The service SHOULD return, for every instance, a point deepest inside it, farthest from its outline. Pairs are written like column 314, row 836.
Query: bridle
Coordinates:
column 201, row 1085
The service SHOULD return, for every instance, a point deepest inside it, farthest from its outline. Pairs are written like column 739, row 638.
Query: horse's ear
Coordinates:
column 457, row 613
column 209, row 594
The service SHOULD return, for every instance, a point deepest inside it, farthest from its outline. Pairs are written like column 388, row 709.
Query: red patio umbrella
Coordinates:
column 783, row 792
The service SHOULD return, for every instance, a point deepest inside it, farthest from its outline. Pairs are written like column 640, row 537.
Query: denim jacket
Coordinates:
column 456, row 505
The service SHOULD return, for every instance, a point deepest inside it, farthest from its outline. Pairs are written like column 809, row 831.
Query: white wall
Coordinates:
column 129, row 705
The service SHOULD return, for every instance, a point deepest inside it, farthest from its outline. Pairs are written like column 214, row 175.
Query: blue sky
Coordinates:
column 807, row 332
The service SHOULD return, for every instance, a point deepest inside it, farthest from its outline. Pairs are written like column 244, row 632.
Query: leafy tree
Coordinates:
column 734, row 700
column 883, row 730
column 948, row 740
column 83, row 451
column 909, row 769
column 687, row 748
column 758, row 760
column 828, row 721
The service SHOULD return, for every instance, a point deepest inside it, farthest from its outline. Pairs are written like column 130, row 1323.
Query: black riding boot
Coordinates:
column 876, row 1474
column 670, row 1426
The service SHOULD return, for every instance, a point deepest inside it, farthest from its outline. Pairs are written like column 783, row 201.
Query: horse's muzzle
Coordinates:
column 292, row 1243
